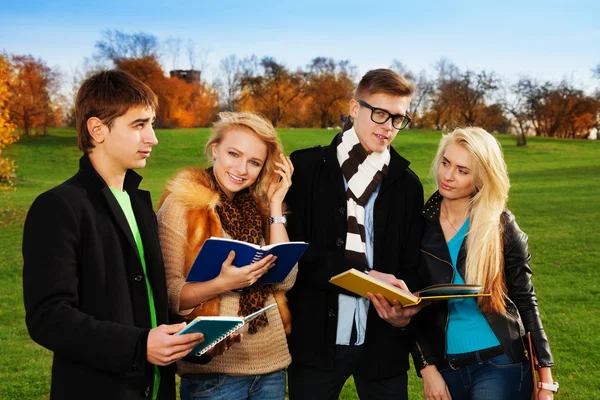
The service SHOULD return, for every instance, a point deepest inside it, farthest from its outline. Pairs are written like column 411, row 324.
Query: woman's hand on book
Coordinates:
column 278, row 189
column 225, row 345
column 232, row 277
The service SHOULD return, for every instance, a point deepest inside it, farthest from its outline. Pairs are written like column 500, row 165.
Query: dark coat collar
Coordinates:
column 93, row 180
column 141, row 204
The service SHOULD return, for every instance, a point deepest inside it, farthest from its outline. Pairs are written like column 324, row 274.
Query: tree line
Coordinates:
column 313, row 96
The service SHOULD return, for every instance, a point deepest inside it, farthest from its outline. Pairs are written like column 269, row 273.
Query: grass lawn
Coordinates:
column 554, row 194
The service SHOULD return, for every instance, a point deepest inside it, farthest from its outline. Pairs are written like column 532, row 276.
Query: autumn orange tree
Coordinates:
column 271, row 90
column 32, row 87
column 462, row 99
column 7, row 136
column 555, row 110
column 180, row 103
column 328, row 90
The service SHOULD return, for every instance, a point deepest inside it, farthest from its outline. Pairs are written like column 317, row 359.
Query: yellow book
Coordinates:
column 361, row 283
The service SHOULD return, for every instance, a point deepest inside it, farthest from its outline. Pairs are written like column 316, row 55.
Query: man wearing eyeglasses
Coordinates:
column 358, row 205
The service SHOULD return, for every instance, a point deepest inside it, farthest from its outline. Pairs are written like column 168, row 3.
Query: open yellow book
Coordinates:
column 361, row 283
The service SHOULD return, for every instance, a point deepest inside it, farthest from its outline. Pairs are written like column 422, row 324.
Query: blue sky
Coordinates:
column 542, row 39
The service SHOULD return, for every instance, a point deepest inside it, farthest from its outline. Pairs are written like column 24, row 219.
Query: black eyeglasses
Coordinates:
column 381, row 116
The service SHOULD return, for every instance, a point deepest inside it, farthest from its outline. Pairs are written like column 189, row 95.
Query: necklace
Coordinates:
column 448, row 219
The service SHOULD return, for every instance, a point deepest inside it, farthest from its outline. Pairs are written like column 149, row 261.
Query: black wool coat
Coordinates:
column 85, row 292
column 317, row 203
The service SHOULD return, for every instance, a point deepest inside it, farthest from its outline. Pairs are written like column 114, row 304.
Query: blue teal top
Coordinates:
column 468, row 330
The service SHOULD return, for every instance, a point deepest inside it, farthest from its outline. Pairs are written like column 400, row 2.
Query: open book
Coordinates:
column 361, row 283
column 215, row 250
column 216, row 329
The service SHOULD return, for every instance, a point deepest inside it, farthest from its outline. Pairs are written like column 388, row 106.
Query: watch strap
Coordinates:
column 277, row 220
column 553, row 387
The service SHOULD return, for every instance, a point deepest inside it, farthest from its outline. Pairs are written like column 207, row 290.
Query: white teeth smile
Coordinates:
column 381, row 137
column 235, row 178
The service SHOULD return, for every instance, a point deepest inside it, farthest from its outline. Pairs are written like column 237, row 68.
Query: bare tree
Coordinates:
column 197, row 57
column 116, row 45
column 471, row 94
column 596, row 71
column 231, row 73
column 423, row 88
column 173, row 49
column 440, row 108
column 512, row 105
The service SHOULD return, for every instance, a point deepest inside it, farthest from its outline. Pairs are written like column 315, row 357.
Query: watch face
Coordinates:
column 553, row 387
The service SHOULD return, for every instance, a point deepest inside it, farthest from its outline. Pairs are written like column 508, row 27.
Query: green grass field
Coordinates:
column 555, row 196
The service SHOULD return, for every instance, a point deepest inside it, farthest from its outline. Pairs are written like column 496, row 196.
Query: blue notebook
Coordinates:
column 215, row 250
column 216, row 329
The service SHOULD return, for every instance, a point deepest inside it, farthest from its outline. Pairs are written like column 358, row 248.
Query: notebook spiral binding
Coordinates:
column 219, row 339
column 258, row 256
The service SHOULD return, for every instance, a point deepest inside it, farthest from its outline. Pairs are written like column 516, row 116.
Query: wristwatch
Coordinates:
column 277, row 220
column 553, row 387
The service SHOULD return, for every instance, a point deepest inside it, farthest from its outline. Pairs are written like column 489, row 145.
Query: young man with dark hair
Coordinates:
column 358, row 205
column 93, row 276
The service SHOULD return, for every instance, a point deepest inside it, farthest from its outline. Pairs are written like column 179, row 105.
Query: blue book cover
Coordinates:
column 216, row 329
column 215, row 250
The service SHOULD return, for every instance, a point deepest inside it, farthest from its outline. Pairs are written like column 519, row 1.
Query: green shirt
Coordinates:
column 125, row 203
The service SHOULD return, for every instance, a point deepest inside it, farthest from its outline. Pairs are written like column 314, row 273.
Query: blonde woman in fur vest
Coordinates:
column 240, row 197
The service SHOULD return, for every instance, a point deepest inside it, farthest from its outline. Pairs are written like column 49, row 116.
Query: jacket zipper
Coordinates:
column 519, row 321
column 447, row 308
column 425, row 364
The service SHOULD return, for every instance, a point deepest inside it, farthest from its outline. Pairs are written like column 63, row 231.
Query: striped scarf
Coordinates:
column 363, row 173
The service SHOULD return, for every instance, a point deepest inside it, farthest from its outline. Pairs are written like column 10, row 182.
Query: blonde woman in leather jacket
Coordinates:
column 467, row 348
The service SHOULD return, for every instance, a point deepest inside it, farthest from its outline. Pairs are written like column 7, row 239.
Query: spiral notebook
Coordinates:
column 216, row 329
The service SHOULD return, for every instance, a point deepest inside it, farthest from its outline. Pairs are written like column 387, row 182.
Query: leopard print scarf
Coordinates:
column 242, row 220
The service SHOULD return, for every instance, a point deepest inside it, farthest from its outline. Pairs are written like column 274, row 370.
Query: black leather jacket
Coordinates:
column 509, row 327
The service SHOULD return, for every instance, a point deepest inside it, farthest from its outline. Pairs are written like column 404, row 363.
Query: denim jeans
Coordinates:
column 495, row 379
column 228, row 387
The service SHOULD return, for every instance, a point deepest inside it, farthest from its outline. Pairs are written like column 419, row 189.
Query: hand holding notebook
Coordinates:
column 361, row 283
column 217, row 329
column 215, row 251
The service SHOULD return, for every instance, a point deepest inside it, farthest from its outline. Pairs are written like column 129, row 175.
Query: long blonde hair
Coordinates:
column 262, row 128
column 485, row 260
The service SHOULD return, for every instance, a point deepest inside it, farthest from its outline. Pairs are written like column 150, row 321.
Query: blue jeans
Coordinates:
column 494, row 379
column 228, row 387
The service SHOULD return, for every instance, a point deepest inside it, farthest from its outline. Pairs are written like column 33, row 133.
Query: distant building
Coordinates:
column 188, row 75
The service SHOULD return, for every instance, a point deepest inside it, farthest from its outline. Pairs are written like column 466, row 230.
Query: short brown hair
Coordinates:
column 107, row 95
column 383, row 80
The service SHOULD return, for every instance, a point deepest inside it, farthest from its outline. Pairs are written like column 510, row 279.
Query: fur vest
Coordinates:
column 195, row 190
